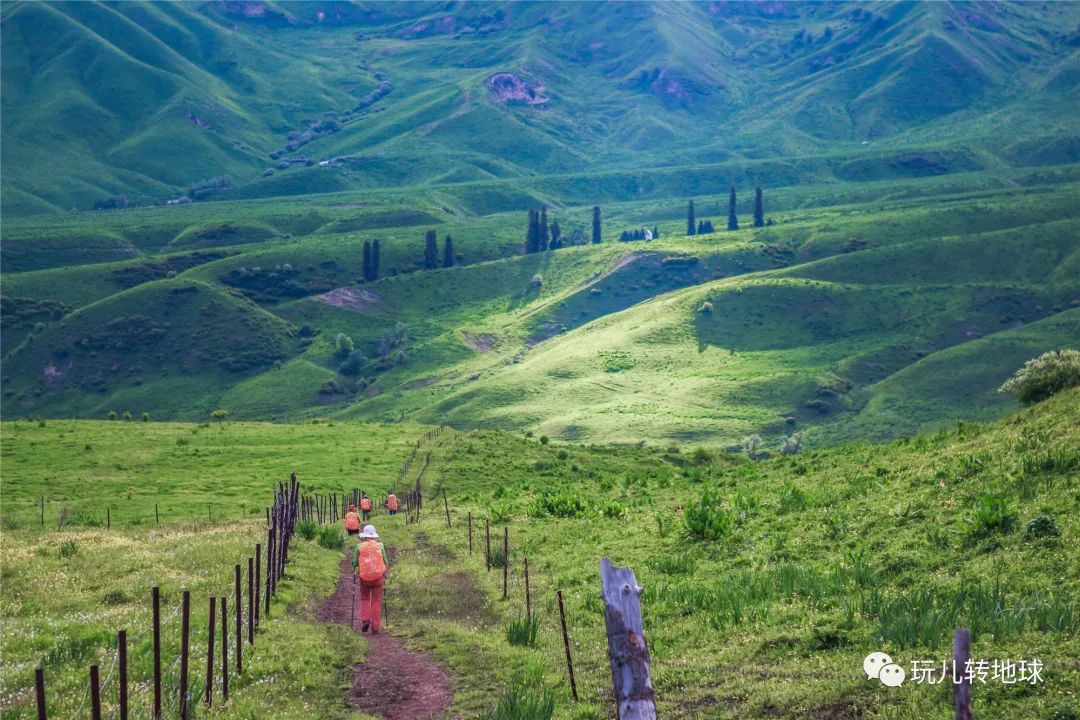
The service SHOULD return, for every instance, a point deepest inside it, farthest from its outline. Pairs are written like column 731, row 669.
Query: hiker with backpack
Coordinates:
column 365, row 506
column 369, row 566
column 392, row 504
column 352, row 521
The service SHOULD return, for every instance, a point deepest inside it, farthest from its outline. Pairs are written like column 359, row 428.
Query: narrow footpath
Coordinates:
column 393, row 682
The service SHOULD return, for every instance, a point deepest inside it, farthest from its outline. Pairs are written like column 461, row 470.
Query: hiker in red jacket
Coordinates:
column 365, row 506
column 369, row 566
column 392, row 504
column 352, row 521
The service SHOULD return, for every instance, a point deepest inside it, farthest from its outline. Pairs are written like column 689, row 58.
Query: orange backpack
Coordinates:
column 370, row 565
column 365, row 504
column 352, row 521
column 391, row 502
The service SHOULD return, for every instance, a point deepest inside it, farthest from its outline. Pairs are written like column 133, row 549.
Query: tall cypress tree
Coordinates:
column 545, row 237
column 448, row 252
column 596, row 225
column 759, row 209
column 656, row 232
column 431, row 250
column 691, row 228
column 375, row 261
column 367, row 261
column 556, row 235
column 732, row 219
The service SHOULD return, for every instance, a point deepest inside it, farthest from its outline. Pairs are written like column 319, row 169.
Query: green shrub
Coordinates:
column 307, row 529
column 522, row 631
column 68, row 548
column 495, row 557
column 343, row 346
column 613, row 509
column 993, row 514
column 565, row 503
column 219, row 415
column 707, row 519
column 111, row 415
column 329, row 536
column 1045, row 375
column 544, row 439
column 116, row 597
column 127, row 416
column 1041, row 527
column 523, row 700
column 146, row 417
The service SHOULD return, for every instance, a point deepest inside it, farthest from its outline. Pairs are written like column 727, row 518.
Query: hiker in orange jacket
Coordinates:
column 391, row 504
column 369, row 567
column 352, row 521
column 365, row 506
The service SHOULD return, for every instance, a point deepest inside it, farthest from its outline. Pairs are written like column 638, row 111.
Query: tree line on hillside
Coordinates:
column 542, row 235
column 700, row 227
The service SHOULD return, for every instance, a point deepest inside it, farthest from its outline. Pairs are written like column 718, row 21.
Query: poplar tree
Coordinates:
column 532, row 235
column 366, row 272
column 431, row 250
column 732, row 219
column 556, row 235
column 448, row 252
column 655, row 232
column 759, row 209
column 375, row 260
column 596, row 225
column 545, row 238
column 691, row 228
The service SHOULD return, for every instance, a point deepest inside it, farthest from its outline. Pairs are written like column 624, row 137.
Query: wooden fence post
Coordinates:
column 209, row 692
column 43, row 519
column 157, row 516
column 446, row 505
column 224, row 650
column 258, row 586
column 627, row 649
column 239, row 630
column 121, row 651
column 961, row 684
column 39, row 685
column 487, row 543
column 528, row 595
column 251, row 601
column 506, row 562
column 95, row 693
column 185, row 636
column 108, row 519
column 470, row 533
column 156, row 598
column 566, row 646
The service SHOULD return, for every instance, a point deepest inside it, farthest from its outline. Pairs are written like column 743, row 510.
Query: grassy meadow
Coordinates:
column 766, row 581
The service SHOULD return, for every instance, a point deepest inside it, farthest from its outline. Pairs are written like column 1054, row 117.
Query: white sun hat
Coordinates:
column 369, row 532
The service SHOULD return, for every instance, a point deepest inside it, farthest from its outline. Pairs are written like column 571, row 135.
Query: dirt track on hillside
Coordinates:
column 393, row 682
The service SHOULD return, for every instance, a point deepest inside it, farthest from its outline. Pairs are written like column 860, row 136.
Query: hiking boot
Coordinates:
column 365, row 626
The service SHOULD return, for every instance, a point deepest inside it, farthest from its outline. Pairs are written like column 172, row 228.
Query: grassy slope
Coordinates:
column 188, row 471
column 830, row 539
column 926, row 277
column 862, row 528
column 635, row 87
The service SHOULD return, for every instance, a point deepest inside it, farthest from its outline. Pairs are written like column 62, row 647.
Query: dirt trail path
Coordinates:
column 394, row 683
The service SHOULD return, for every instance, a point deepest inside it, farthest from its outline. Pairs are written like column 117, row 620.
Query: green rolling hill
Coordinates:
column 144, row 100
column 922, row 230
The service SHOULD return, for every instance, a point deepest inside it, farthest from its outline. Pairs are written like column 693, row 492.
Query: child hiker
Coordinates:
column 369, row 564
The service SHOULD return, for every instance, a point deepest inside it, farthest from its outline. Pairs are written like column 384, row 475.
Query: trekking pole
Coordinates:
column 352, row 616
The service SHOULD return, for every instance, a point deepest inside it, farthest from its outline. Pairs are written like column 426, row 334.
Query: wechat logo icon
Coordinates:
column 878, row 665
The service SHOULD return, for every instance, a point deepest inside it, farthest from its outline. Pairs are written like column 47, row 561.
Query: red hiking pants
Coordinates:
column 371, row 602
